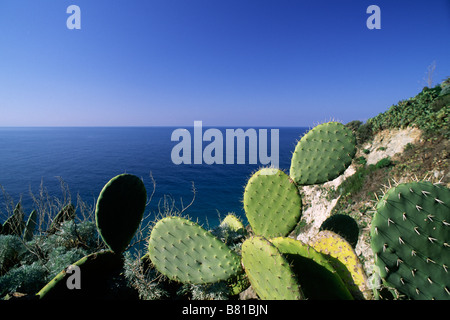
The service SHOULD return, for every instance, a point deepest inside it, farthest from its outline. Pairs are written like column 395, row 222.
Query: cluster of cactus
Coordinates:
column 273, row 205
column 119, row 211
column 276, row 266
column 410, row 237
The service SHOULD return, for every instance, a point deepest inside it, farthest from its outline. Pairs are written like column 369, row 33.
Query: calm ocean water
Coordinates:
column 86, row 158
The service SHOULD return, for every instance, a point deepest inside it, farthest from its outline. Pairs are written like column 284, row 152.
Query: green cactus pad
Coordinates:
column 185, row 252
column 95, row 274
column 323, row 154
column 233, row 223
column 411, row 240
column 272, row 203
column 318, row 279
column 269, row 271
column 119, row 210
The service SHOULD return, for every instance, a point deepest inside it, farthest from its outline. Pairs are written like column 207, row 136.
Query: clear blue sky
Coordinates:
column 225, row 62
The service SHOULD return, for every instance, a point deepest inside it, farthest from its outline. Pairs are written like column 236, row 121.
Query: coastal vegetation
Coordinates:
column 367, row 248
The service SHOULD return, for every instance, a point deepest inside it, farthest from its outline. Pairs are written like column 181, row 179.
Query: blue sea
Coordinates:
column 86, row 158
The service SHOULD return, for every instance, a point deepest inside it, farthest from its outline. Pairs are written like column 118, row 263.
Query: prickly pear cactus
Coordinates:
column 233, row 223
column 344, row 260
column 411, row 239
column 317, row 277
column 184, row 251
column 95, row 273
column 272, row 203
column 323, row 154
column 269, row 271
column 119, row 210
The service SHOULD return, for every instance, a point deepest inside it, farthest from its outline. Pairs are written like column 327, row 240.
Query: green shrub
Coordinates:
column 419, row 111
column 445, row 91
column 361, row 160
column 60, row 258
column 11, row 251
column 409, row 146
column 26, row 279
column 354, row 183
column 28, row 266
column 354, row 125
column 365, row 133
column 144, row 279
column 384, row 163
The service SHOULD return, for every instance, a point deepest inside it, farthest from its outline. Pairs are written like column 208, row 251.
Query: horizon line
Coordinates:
column 151, row 126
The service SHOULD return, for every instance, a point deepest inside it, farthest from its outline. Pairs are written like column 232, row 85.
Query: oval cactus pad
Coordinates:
column 119, row 210
column 184, row 251
column 411, row 239
column 344, row 260
column 323, row 154
column 272, row 203
column 269, row 271
column 317, row 277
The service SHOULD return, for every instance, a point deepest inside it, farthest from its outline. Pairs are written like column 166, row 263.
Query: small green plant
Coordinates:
column 365, row 133
column 384, row 163
column 355, row 182
column 361, row 160
column 11, row 251
column 409, row 146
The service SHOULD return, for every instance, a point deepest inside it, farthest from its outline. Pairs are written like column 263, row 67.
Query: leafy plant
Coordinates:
column 419, row 111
